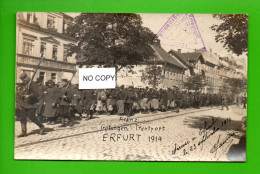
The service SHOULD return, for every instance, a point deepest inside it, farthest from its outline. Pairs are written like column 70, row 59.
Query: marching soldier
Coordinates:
column 40, row 104
column 154, row 101
column 111, row 102
column 224, row 102
column 101, row 101
column 144, row 95
column 244, row 99
column 65, row 102
column 51, row 102
column 27, row 98
column 177, row 97
column 120, row 100
column 88, row 102
column 76, row 103
column 163, row 100
column 129, row 100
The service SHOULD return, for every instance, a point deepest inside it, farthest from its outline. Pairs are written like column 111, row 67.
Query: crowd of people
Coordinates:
column 50, row 102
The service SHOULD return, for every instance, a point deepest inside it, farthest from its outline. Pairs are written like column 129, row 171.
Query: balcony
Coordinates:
column 31, row 61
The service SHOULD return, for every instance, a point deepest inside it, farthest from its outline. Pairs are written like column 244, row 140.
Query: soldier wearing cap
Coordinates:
column 40, row 104
column 64, row 104
column 51, row 102
column 144, row 95
column 120, row 100
column 129, row 100
column 27, row 97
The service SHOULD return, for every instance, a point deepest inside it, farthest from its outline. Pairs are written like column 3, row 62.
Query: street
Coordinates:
column 204, row 134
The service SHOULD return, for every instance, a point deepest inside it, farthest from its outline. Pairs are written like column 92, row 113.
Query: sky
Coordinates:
column 181, row 35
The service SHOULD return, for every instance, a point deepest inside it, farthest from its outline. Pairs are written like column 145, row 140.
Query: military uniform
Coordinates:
column 66, row 95
column 27, row 98
column 111, row 102
column 244, row 101
column 224, row 102
column 40, row 104
column 51, row 101
column 163, row 100
column 101, row 101
column 88, row 102
column 144, row 100
column 129, row 100
column 120, row 101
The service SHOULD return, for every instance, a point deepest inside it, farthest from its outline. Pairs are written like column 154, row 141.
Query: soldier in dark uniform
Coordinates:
column 170, row 98
column 177, row 96
column 183, row 100
column 136, row 104
column 51, row 102
column 27, row 98
column 121, row 95
column 163, row 100
column 129, row 100
column 224, row 102
column 144, row 100
column 88, row 102
column 40, row 104
column 76, row 103
column 65, row 102
column 197, row 98
column 111, row 102
column 244, row 101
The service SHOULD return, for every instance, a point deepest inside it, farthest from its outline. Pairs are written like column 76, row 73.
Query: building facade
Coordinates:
column 42, row 37
column 172, row 74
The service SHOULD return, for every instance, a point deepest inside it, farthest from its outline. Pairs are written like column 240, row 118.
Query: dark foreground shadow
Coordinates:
column 36, row 131
column 237, row 152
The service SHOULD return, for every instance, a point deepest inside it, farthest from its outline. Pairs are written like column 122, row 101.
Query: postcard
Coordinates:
column 131, row 86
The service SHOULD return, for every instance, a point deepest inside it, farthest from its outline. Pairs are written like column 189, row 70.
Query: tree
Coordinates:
column 196, row 82
column 232, row 32
column 111, row 40
column 234, row 86
column 152, row 75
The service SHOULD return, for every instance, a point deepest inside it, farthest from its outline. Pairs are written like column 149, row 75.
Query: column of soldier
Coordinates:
column 62, row 104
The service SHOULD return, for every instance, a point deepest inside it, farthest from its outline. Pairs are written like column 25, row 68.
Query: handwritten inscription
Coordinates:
column 206, row 131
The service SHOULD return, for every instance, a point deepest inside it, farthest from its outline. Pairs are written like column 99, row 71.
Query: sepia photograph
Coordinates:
column 131, row 86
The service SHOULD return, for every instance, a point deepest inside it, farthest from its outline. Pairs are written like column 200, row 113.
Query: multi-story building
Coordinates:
column 173, row 71
column 44, row 35
column 202, row 63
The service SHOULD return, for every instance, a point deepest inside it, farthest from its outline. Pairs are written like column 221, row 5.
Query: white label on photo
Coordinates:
column 97, row 78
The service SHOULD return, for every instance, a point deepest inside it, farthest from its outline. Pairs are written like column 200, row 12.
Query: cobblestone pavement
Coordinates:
column 204, row 134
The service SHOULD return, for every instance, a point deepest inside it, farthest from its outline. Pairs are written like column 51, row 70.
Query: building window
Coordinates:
column 43, row 49
column 28, row 46
column 65, row 52
column 53, row 77
column 42, row 76
column 65, row 27
column 54, row 52
column 50, row 22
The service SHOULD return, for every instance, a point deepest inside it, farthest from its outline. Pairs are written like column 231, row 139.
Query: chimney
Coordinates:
column 211, row 50
column 179, row 50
